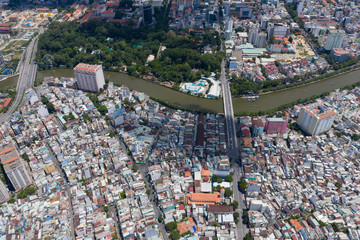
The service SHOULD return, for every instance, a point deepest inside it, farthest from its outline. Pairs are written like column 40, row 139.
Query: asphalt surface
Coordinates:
column 26, row 77
column 229, row 115
column 233, row 149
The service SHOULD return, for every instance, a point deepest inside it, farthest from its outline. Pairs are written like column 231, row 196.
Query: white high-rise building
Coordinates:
column 260, row 43
column 300, row 8
column 228, row 29
column 229, row 25
column 89, row 77
column 253, row 35
column 264, row 22
column 257, row 39
column 334, row 39
column 315, row 118
column 227, row 9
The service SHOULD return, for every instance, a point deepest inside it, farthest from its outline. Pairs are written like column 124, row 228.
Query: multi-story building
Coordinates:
column 226, row 9
column 14, row 167
column 261, row 40
column 315, row 118
column 228, row 29
column 257, row 39
column 203, row 198
column 253, row 35
column 147, row 14
column 257, row 126
column 233, row 63
column 300, row 7
column 89, row 77
column 339, row 55
column 264, row 22
column 244, row 10
column 4, row 193
column 276, row 125
column 278, row 30
column 334, row 39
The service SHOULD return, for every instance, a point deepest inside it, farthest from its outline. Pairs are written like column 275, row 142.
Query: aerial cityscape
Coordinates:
column 180, row 119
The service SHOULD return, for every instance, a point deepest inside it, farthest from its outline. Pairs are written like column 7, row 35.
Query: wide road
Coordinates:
column 26, row 77
column 229, row 115
column 233, row 149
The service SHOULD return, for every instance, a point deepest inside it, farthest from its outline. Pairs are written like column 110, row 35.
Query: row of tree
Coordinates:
column 242, row 86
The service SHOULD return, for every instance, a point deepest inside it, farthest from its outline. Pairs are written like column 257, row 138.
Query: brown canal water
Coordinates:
column 265, row 102
column 9, row 83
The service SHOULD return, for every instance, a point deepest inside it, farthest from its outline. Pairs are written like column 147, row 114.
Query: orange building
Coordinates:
column 203, row 198
column 295, row 223
column 188, row 225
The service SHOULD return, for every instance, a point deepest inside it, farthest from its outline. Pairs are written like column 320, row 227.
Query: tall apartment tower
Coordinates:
column 300, row 7
column 14, row 167
column 147, row 14
column 89, row 77
column 264, row 23
column 253, row 36
column 228, row 29
column 257, row 39
column 261, row 40
column 334, row 39
column 315, row 118
column 196, row 4
column 227, row 5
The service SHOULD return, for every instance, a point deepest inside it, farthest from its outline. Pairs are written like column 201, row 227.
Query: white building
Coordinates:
column 227, row 5
column 261, row 40
column 334, row 39
column 89, row 77
column 315, row 118
column 258, row 39
column 300, row 8
column 43, row 112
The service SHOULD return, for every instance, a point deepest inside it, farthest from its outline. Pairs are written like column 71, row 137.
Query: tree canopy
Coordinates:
column 119, row 47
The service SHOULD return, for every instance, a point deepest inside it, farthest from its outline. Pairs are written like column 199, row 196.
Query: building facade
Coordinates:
column 14, row 167
column 339, row 55
column 261, row 40
column 89, row 77
column 257, row 126
column 233, row 63
column 276, row 125
column 4, row 193
column 278, row 30
column 334, row 39
column 147, row 14
column 315, row 118
column 257, row 39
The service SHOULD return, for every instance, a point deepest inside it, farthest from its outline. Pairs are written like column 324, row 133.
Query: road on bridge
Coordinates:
column 233, row 148
column 26, row 77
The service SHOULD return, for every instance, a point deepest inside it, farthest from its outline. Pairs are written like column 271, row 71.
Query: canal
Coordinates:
column 265, row 102
column 9, row 83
